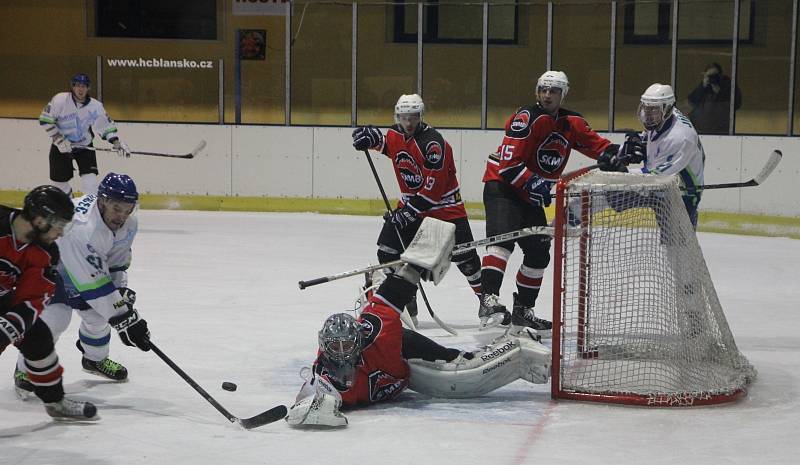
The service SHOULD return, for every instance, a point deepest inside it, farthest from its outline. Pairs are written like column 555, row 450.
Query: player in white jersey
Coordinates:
column 73, row 118
column 668, row 145
column 95, row 255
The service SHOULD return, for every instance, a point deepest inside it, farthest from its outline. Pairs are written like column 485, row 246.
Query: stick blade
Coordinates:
column 197, row 149
column 773, row 161
column 272, row 415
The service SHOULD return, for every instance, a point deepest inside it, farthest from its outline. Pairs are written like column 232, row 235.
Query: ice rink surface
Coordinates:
column 220, row 294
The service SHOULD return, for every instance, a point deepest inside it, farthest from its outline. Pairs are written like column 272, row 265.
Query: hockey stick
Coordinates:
column 439, row 322
column 773, row 161
column 269, row 416
column 459, row 248
column 191, row 154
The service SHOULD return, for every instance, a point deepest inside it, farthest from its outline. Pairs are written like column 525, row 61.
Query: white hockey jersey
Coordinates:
column 675, row 149
column 94, row 259
column 76, row 121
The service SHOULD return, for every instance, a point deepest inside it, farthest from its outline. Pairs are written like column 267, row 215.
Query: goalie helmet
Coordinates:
column 340, row 345
column 553, row 79
column 656, row 106
column 408, row 112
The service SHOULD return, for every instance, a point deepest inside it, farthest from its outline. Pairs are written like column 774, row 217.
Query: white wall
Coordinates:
column 277, row 161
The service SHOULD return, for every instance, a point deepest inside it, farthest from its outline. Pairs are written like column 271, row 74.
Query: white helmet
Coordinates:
column 554, row 79
column 656, row 105
column 407, row 105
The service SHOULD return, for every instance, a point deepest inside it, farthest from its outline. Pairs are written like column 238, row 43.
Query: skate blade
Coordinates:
column 520, row 331
column 23, row 394
column 101, row 375
column 76, row 419
column 491, row 321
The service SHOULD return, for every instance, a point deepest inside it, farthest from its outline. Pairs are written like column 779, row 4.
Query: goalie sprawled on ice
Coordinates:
column 372, row 358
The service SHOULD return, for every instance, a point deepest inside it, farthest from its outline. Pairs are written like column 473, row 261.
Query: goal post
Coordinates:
column 636, row 318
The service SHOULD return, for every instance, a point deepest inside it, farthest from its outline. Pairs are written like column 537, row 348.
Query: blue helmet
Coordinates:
column 81, row 78
column 118, row 187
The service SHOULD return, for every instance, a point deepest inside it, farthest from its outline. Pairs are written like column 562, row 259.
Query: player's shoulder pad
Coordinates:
column 432, row 145
column 523, row 119
column 371, row 326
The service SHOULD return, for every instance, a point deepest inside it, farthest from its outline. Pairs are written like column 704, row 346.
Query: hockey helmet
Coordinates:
column 656, row 106
column 119, row 187
column 408, row 111
column 553, row 79
column 81, row 78
column 340, row 345
column 50, row 203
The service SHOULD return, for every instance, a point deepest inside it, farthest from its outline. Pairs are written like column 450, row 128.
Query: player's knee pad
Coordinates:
column 38, row 342
column 537, row 251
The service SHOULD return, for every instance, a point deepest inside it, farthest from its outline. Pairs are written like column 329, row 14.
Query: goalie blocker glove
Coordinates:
column 132, row 329
column 429, row 251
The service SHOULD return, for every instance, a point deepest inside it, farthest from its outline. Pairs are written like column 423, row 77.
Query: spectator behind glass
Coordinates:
column 710, row 102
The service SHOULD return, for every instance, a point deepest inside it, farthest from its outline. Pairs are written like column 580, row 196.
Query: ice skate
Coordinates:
column 492, row 312
column 22, row 385
column 523, row 317
column 71, row 410
column 106, row 368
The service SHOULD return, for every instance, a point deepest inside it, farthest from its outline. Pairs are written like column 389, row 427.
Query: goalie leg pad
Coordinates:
column 506, row 360
column 489, row 369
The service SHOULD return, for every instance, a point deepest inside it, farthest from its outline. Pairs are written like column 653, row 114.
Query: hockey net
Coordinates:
column 640, row 322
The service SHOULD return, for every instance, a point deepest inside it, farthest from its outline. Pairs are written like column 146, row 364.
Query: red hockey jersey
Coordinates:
column 426, row 172
column 540, row 144
column 26, row 284
column 382, row 372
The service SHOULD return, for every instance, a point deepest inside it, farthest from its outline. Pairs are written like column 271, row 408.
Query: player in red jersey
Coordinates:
column 426, row 174
column 28, row 253
column 517, row 182
column 372, row 358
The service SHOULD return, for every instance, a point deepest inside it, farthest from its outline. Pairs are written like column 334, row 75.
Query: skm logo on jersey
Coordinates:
column 9, row 274
column 409, row 170
column 520, row 127
column 434, row 155
column 552, row 152
column 383, row 386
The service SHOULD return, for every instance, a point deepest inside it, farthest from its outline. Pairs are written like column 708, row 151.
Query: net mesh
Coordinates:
column 639, row 311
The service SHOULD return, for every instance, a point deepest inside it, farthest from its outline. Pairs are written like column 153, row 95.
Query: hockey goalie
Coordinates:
column 372, row 358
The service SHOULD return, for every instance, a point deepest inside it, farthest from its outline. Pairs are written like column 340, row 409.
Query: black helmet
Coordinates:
column 49, row 202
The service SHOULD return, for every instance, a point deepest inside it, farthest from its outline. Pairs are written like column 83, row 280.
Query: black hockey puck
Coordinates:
column 228, row 386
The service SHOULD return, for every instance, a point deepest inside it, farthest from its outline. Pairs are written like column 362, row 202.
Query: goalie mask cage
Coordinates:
column 636, row 317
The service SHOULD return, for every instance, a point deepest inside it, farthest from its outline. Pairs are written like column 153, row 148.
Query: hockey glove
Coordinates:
column 122, row 148
column 610, row 160
column 634, row 149
column 10, row 332
column 367, row 137
column 62, row 144
column 401, row 217
column 320, row 407
column 132, row 329
column 430, row 250
column 538, row 190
